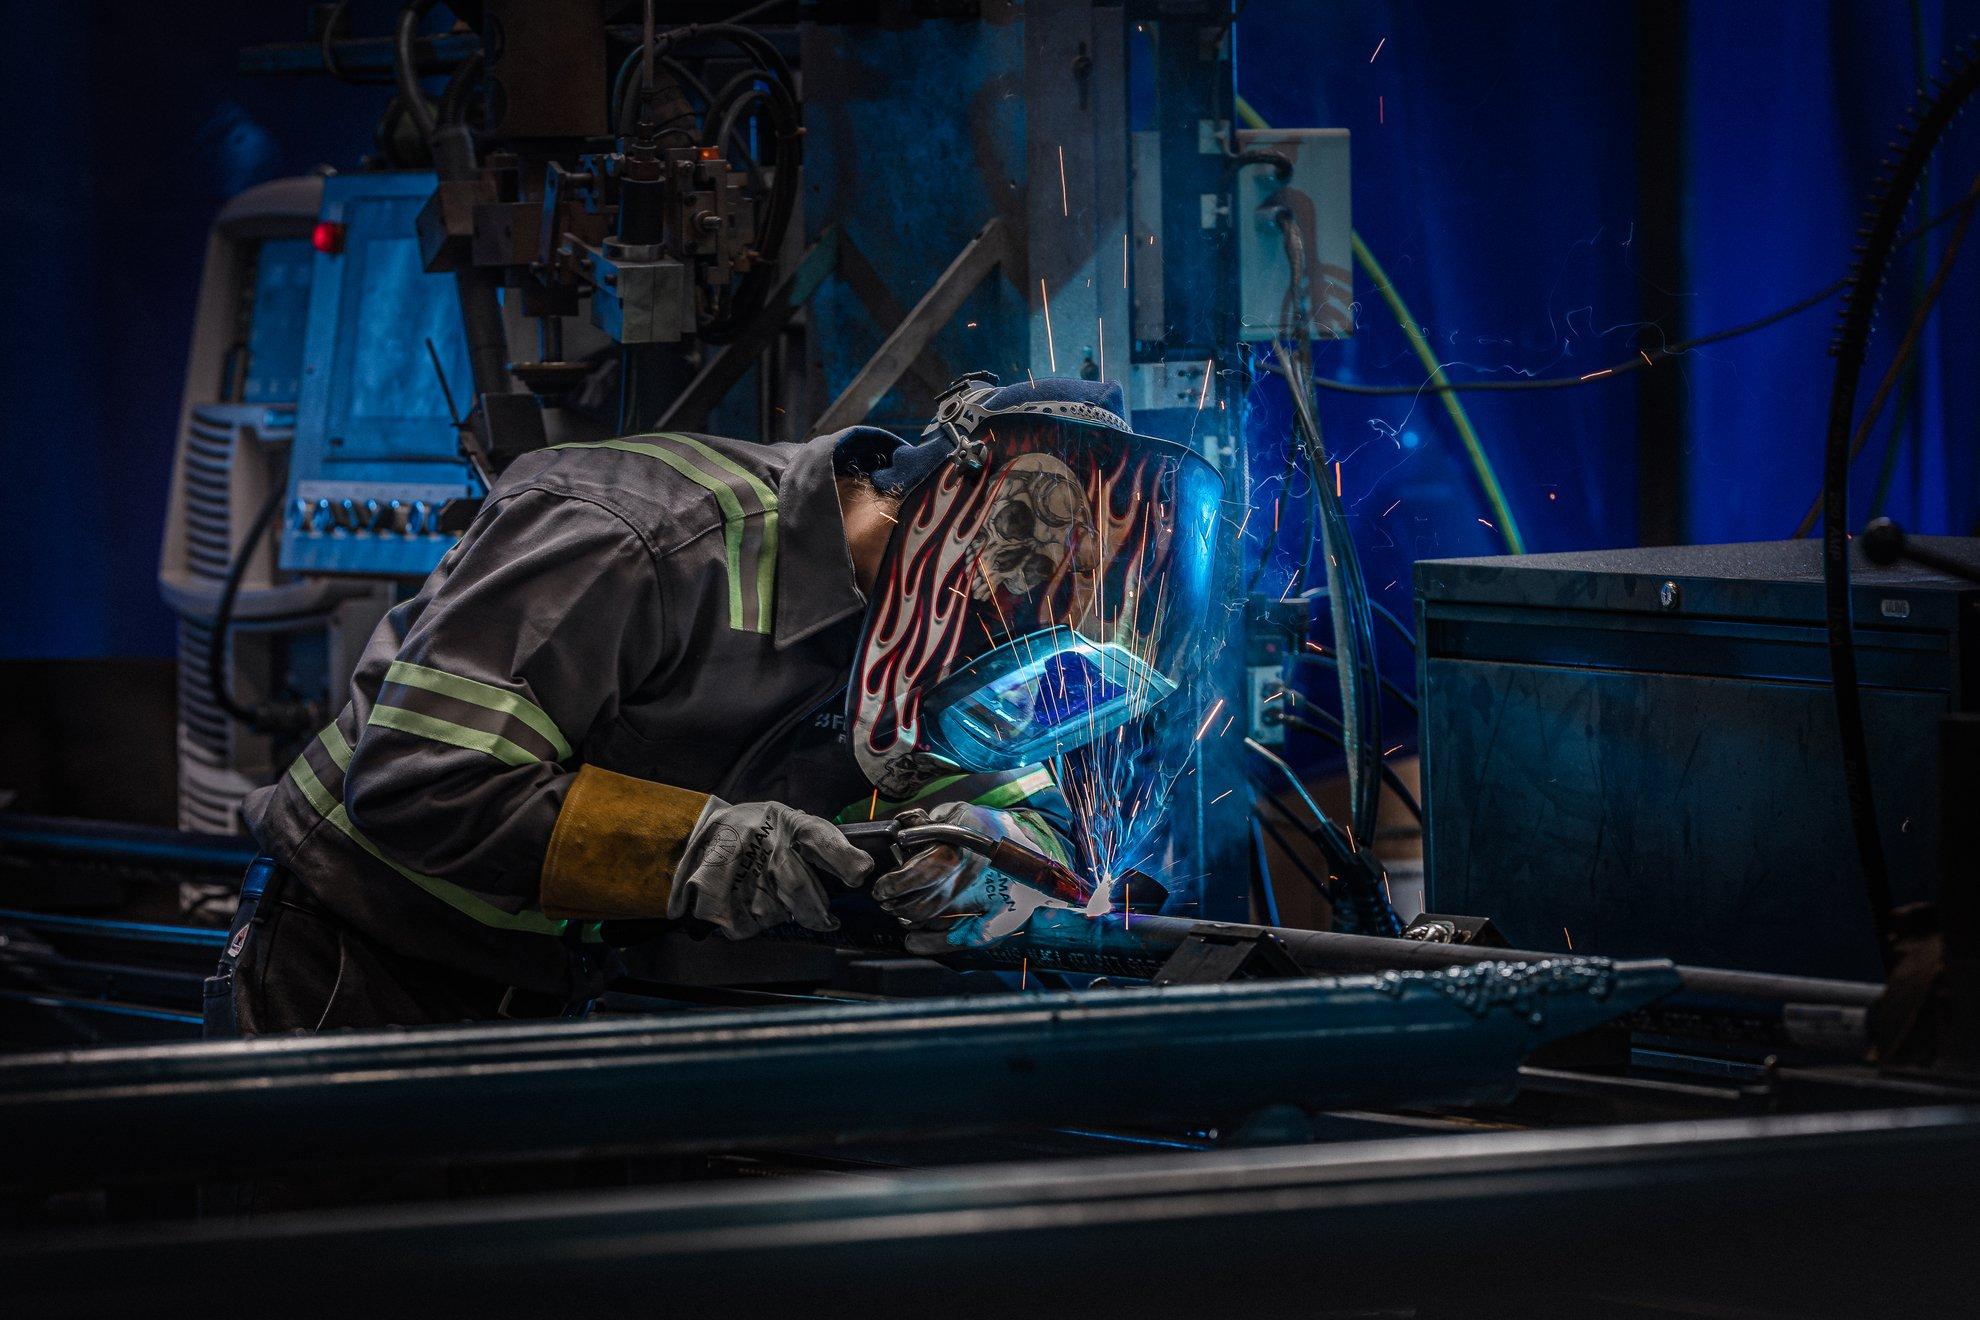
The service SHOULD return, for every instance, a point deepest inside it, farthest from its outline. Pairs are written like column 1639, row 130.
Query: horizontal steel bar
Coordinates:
column 89, row 840
column 1202, row 1054
column 127, row 932
column 1826, row 1215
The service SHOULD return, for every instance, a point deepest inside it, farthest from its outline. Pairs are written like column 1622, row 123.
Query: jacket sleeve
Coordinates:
column 465, row 768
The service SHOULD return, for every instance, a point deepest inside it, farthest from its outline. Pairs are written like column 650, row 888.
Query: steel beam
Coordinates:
column 1827, row 1215
column 990, row 248
column 1206, row 1054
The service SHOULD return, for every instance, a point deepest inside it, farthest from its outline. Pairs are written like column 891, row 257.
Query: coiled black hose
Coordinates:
column 1918, row 137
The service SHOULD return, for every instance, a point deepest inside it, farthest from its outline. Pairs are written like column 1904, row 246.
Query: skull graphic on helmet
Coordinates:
column 1039, row 529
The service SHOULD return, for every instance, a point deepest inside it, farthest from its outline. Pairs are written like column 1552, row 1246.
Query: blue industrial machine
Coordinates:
column 379, row 484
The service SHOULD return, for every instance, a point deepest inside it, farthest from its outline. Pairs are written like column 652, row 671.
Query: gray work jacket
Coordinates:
column 679, row 608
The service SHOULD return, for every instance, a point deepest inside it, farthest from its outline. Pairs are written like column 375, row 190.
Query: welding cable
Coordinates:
column 1382, row 612
column 1288, row 818
column 1924, row 128
column 1347, row 588
column 1366, row 910
column 1389, row 776
column 1268, row 899
column 1332, row 732
column 1388, row 685
column 1907, row 347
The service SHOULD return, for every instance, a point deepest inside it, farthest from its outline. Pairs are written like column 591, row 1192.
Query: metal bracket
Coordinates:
column 1210, row 956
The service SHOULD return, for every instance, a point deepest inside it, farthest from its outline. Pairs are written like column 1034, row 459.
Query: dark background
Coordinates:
column 1551, row 186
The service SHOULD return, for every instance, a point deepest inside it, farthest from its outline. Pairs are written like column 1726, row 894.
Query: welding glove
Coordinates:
column 951, row 899
column 755, row 865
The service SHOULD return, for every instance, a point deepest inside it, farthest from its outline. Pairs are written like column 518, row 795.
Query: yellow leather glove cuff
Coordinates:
column 616, row 846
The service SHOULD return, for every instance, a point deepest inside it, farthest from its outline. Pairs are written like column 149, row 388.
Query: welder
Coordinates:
column 654, row 671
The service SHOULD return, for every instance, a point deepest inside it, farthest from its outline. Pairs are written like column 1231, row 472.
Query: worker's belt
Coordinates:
column 319, row 774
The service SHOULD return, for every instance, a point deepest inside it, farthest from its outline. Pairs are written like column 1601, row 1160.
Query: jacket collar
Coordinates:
column 816, row 587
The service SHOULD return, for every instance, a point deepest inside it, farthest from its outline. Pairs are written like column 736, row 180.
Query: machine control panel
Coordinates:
column 394, row 528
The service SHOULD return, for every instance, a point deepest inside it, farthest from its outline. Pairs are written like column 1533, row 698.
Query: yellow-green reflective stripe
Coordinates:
column 732, row 513
column 766, row 560
column 334, row 743
column 451, row 894
column 1016, row 790
column 484, row 695
column 456, row 735
column 997, row 796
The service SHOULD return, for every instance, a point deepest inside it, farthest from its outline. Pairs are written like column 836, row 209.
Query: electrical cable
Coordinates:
column 269, row 717
column 1507, row 524
column 1924, row 128
column 1907, row 346
column 1623, row 368
column 405, row 67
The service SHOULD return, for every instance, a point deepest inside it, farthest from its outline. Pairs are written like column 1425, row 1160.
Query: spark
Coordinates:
column 1206, row 720
column 1046, row 300
column 1127, row 905
column 1024, row 971
column 1103, row 347
column 1337, row 480
column 1273, row 697
column 1392, row 583
column 1124, row 261
column 1483, row 523
column 1597, row 375
column 1065, row 205
column 888, row 516
column 1393, row 750
column 1646, row 358
column 1290, row 584
column 1391, row 509
column 1381, row 112
column 1204, row 393
column 1551, row 496
column 1569, row 938
column 1316, row 648
column 1378, row 49
column 969, row 325
column 873, row 809
column 1229, row 720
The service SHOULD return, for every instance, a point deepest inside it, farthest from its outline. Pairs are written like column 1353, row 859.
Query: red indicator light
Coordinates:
column 710, row 153
column 328, row 236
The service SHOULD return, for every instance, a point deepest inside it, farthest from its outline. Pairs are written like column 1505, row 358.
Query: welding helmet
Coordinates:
column 1048, row 580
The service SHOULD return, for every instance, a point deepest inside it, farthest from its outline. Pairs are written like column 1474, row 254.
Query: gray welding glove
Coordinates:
column 952, row 899
column 755, row 865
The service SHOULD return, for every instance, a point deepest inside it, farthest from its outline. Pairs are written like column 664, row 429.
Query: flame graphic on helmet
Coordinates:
column 983, row 557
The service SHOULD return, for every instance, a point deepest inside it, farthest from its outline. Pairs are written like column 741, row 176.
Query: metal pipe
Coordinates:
column 1184, row 1055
